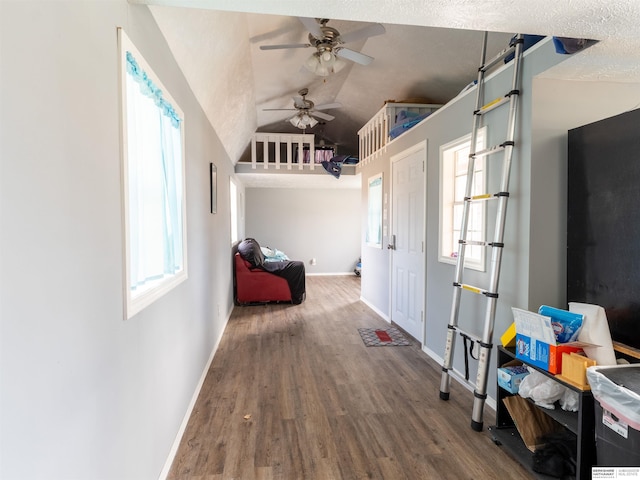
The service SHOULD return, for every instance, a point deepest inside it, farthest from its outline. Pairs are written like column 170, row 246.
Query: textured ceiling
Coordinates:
column 431, row 49
column 409, row 62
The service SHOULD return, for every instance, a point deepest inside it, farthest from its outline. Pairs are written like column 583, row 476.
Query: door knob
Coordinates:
column 392, row 245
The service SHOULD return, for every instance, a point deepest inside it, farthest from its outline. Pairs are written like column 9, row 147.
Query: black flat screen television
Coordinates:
column 603, row 223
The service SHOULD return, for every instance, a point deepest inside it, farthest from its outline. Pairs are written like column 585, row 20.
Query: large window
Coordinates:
column 454, row 163
column 153, row 183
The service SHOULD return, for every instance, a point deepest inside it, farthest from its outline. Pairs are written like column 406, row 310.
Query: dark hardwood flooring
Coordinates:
column 293, row 393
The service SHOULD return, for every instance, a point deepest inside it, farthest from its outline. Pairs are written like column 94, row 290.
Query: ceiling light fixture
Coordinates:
column 324, row 62
column 303, row 120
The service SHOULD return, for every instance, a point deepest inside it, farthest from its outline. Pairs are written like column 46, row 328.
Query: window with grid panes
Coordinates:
column 454, row 162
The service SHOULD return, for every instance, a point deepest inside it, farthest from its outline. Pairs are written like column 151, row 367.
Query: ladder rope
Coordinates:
column 466, row 355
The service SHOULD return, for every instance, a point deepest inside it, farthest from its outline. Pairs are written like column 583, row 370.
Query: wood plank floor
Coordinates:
column 293, row 393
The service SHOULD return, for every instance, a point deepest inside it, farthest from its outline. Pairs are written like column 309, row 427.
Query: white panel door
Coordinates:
column 407, row 240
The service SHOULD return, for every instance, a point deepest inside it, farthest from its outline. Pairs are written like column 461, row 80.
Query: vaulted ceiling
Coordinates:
column 430, row 50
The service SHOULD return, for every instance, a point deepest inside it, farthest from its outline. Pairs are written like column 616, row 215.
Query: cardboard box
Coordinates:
column 574, row 370
column 536, row 342
column 542, row 354
column 509, row 377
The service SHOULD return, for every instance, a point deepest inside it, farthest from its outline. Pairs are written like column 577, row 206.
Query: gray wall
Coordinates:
column 312, row 223
column 85, row 394
column 450, row 123
column 534, row 261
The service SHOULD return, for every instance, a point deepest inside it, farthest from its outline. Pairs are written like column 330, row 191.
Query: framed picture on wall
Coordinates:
column 213, row 187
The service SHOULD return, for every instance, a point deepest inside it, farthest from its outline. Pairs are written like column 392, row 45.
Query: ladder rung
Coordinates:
column 463, row 333
column 481, row 243
column 472, row 289
column 492, row 105
column 473, row 337
column 491, row 150
column 478, row 243
column 486, row 196
column 481, row 198
column 500, row 56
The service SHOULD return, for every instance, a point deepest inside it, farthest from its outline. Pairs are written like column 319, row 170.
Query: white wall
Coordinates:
column 85, row 394
column 312, row 223
column 558, row 106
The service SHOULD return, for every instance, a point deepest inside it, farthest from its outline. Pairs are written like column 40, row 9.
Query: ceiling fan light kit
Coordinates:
column 329, row 54
column 307, row 111
column 303, row 120
column 325, row 63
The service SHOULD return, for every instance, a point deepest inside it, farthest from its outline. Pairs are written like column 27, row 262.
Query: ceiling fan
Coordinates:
column 329, row 54
column 307, row 111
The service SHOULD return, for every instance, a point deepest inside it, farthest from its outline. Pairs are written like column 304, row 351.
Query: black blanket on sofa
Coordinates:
column 291, row 270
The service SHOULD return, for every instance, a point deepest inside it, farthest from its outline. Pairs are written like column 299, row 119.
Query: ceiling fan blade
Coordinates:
column 322, row 115
column 286, row 45
column 354, row 56
column 364, row 32
column 327, row 106
column 313, row 26
column 278, row 109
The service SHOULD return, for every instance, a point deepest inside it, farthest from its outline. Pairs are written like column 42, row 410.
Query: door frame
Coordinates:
column 422, row 145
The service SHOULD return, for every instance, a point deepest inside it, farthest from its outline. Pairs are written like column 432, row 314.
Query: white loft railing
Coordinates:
column 289, row 145
column 374, row 136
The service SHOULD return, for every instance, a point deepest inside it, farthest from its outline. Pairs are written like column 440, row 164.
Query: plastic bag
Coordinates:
column 622, row 401
column 541, row 389
column 570, row 400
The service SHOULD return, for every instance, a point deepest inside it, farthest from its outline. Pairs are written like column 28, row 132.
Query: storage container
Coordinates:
column 617, row 410
column 509, row 377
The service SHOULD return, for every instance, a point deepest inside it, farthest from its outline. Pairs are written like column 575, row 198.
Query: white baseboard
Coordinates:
column 330, row 274
column 192, row 404
column 459, row 377
column 384, row 316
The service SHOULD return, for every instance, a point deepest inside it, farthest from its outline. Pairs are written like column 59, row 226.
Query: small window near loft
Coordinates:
column 235, row 217
column 153, row 183
column 374, row 212
column 454, row 163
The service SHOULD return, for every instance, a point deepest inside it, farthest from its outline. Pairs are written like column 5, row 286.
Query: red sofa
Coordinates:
column 258, row 286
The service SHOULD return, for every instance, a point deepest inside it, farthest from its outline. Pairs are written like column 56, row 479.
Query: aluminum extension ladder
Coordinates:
column 491, row 293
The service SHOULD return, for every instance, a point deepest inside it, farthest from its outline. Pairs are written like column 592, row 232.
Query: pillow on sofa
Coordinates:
column 249, row 249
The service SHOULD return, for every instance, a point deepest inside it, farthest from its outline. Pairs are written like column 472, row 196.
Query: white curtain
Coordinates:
column 155, row 194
